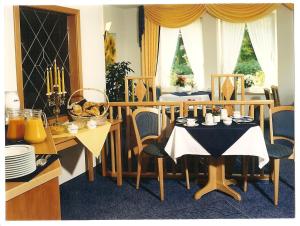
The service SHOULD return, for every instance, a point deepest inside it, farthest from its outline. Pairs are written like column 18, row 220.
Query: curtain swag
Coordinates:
column 173, row 16
column 240, row 13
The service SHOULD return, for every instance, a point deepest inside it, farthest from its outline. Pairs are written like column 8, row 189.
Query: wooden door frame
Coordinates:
column 74, row 46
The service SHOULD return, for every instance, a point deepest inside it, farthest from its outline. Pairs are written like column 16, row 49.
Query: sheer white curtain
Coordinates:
column 229, row 45
column 167, row 47
column 193, row 42
column 263, row 36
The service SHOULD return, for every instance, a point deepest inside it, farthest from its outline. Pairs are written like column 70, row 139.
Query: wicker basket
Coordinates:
column 101, row 119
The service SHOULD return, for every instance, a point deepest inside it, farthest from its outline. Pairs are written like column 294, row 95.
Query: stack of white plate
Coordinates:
column 19, row 161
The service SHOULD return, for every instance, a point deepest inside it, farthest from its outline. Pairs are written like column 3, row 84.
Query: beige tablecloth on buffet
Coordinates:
column 92, row 139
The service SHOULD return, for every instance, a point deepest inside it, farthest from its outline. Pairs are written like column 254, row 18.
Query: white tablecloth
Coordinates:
column 172, row 97
column 251, row 143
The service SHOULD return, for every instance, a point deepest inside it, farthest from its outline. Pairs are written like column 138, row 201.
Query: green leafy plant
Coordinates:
column 115, row 80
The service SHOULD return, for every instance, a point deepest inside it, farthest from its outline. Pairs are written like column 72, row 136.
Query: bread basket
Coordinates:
column 100, row 119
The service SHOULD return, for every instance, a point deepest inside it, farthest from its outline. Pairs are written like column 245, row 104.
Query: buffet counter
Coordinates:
column 38, row 199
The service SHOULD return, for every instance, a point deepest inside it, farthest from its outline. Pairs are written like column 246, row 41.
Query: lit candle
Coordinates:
column 51, row 79
column 63, row 79
column 55, row 73
column 48, row 83
column 58, row 78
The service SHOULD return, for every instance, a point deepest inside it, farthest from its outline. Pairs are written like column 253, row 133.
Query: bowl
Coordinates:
column 227, row 122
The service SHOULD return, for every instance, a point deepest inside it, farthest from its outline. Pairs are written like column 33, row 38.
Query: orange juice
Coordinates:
column 16, row 128
column 34, row 130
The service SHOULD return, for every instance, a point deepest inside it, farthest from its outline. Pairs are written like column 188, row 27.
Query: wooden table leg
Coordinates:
column 89, row 164
column 216, row 180
column 103, row 160
column 118, row 156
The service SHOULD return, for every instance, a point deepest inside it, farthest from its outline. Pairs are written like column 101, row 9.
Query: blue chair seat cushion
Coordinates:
column 279, row 151
column 155, row 149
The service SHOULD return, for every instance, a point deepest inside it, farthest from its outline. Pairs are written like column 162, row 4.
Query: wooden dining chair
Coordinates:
column 281, row 128
column 268, row 94
column 137, row 89
column 275, row 94
column 146, row 127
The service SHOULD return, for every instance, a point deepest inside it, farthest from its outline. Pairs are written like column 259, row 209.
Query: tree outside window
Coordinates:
column 248, row 65
column 181, row 72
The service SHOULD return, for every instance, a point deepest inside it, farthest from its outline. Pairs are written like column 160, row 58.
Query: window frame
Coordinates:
column 74, row 46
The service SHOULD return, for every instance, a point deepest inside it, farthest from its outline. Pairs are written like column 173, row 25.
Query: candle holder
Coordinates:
column 56, row 99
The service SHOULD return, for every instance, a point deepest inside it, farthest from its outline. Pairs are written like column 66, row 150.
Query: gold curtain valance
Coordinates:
column 240, row 13
column 173, row 15
column 180, row 15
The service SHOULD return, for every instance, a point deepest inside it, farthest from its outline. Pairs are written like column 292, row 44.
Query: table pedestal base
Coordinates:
column 217, row 180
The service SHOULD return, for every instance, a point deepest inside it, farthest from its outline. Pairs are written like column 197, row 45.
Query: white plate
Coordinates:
column 15, row 167
column 181, row 119
column 18, row 175
column 18, row 150
column 18, row 156
column 20, row 171
column 196, row 124
column 213, row 124
column 243, row 120
column 20, row 161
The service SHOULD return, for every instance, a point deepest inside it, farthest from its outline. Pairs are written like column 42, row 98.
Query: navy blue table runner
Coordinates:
column 217, row 139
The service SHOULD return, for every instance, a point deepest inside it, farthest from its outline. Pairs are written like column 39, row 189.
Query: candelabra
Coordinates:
column 56, row 99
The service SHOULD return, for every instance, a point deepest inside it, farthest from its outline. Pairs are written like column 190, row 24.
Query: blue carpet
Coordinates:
column 102, row 199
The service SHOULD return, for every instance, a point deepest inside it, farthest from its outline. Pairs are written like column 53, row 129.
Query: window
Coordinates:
column 250, row 49
column 248, row 65
column 181, row 72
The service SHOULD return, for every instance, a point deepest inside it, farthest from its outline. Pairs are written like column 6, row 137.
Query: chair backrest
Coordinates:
column 228, row 87
column 267, row 94
column 275, row 95
column 282, row 123
column 141, row 89
column 146, row 124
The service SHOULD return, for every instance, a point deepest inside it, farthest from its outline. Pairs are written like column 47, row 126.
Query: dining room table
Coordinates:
column 186, row 96
column 216, row 141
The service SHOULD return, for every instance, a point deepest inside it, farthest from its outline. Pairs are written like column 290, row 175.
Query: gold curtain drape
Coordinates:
column 240, row 13
column 173, row 15
column 180, row 15
column 149, row 48
column 289, row 5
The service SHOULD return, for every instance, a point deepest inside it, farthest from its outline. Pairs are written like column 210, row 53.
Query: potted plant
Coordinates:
column 115, row 80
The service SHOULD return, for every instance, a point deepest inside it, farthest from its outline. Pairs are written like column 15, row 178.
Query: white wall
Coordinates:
column 93, row 70
column 286, row 55
column 125, row 26
column 9, row 53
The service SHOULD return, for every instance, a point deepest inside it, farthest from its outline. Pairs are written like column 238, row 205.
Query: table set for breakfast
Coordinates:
column 198, row 136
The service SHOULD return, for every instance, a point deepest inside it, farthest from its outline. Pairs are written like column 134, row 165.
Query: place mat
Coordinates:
column 39, row 169
column 217, row 139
